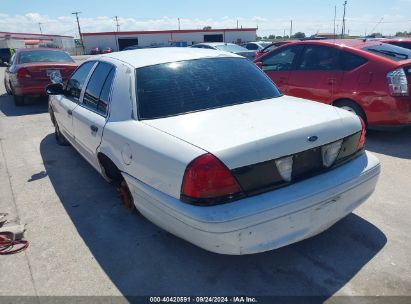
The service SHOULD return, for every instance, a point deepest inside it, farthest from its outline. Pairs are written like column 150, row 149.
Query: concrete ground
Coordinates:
column 83, row 242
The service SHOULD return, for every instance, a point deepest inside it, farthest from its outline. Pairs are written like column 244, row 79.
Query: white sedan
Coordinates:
column 210, row 150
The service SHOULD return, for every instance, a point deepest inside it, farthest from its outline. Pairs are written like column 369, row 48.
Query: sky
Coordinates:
column 271, row 17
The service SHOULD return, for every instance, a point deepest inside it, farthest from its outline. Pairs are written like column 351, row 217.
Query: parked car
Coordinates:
column 270, row 47
column 6, row 54
column 227, row 47
column 206, row 147
column 401, row 42
column 95, row 51
column 30, row 71
column 107, row 50
column 256, row 46
column 369, row 78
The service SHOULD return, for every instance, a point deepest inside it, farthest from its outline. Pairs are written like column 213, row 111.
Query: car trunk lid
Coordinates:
column 256, row 132
column 43, row 71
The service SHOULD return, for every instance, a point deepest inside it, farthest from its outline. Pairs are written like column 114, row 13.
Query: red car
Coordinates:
column 270, row 47
column 107, row 50
column 402, row 42
column 31, row 70
column 369, row 78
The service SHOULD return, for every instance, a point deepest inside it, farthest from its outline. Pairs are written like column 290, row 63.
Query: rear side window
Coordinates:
column 389, row 51
column 282, row 60
column 320, row 58
column 402, row 44
column 195, row 85
column 98, row 88
column 76, row 82
column 352, row 61
column 251, row 46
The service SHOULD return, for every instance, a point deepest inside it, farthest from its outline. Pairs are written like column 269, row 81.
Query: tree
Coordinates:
column 376, row 35
column 403, row 34
column 299, row 35
column 279, row 37
column 271, row 36
column 207, row 28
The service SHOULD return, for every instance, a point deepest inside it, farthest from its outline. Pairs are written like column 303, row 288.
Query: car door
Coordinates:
column 318, row 74
column 89, row 118
column 63, row 105
column 279, row 63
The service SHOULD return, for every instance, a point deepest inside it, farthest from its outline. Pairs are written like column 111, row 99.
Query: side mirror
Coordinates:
column 259, row 64
column 55, row 89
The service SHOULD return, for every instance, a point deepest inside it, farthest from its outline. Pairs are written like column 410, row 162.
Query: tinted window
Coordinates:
column 195, row 85
column 105, row 94
column 319, row 58
column 403, row 44
column 282, row 60
column 352, row 61
column 389, row 51
column 95, row 85
column 44, row 56
column 251, row 46
column 76, row 81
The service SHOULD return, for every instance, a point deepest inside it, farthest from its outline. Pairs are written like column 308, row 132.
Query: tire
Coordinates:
column 352, row 107
column 7, row 87
column 18, row 100
column 61, row 140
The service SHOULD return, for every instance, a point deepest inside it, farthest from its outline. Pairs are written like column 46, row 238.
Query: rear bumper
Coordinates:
column 267, row 221
column 32, row 90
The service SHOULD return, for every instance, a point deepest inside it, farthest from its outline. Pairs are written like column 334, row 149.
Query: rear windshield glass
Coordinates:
column 195, row 85
column 232, row 48
column 44, row 56
column 389, row 51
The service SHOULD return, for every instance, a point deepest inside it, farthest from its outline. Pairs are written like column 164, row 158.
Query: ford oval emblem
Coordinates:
column 312, row 138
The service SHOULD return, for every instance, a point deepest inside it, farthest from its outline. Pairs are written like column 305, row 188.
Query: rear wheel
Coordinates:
column 61, row 140
column 18, row 100
column 352, row 107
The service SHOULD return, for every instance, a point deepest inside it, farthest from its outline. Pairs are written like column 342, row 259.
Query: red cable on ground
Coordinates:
column 10, row 246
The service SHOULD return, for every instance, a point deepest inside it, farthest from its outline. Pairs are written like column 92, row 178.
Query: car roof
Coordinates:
column 38, row 49
column 215, row 43
column 146, row 57
column 352, row 43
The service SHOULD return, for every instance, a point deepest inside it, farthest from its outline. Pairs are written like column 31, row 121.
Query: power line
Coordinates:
column 79, row 30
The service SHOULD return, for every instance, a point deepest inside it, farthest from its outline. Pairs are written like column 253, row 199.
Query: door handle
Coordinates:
column 69, row 112
column 93, row 128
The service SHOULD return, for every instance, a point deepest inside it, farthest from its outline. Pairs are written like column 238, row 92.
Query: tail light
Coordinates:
column 398, row 83
column 361, row 141
column 23, row 73
column 207, row 181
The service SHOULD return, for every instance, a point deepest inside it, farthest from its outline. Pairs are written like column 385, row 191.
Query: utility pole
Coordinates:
column 41, row 32
column 179, row 28
column 118, row 25
column 335, row 18
column 237, row 23
column 79, row 30
column 291, row 29
column 343, row 25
